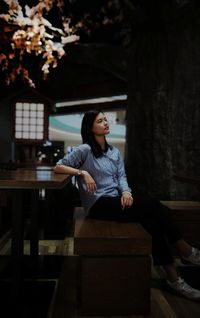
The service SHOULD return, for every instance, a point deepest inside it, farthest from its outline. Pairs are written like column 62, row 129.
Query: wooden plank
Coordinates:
column 186, row 215
column 166, row 309
column 183, row 210
column 97, row 237
column 115, row 285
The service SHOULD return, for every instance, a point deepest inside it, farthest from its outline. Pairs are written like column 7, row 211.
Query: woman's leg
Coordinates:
column 171, row 272
column 151, row 211
column 183, row 248
column 107, row 208
column 110, row 208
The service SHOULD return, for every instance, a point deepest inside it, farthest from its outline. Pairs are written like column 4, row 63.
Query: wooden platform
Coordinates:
column 163, row 303
column 186, row 214
column 64, row 303
column 115, row 264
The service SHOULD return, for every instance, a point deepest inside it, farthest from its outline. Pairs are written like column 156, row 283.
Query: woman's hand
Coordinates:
column 126, row 199
column 89, row 181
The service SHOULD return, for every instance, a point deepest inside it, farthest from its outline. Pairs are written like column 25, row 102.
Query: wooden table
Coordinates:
column 187, row 179
column 19, row 181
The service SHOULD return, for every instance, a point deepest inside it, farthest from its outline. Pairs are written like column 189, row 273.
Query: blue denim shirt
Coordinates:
column 107, row 171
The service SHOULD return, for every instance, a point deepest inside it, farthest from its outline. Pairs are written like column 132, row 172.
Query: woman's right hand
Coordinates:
column 89, row 181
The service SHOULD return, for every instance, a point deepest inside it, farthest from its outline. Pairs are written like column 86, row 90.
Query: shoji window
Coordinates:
column 29, row 121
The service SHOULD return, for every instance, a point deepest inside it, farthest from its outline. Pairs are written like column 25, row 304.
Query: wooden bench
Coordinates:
column 115, row 267
column 186, row 214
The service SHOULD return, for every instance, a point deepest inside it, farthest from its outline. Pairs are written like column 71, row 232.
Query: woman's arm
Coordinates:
column 70, row 164
column 89, row 181
column 68, row 170
column 122, row 178
column 126, row 195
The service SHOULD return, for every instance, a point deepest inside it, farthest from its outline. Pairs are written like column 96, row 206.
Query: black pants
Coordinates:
column 148, row 212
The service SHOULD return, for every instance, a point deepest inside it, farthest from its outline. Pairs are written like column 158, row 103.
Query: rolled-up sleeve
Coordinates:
column 75, row 158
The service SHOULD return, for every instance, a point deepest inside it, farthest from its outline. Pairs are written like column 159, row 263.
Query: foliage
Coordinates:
column 27, row 31
column 36, row 37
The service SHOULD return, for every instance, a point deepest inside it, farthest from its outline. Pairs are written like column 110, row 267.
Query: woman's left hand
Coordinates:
column 126, row 200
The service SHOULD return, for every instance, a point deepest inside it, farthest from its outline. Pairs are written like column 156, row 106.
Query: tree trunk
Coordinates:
column 163, row 113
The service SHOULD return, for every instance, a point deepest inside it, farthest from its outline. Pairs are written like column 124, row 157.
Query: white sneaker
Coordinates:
column 194, row 257
column 180, row 287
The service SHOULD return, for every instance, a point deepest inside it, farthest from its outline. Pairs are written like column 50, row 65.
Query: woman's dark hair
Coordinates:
column 88, row 135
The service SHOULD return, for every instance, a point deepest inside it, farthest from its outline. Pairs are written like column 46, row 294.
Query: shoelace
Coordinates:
column 184, row 286
column 196, row 252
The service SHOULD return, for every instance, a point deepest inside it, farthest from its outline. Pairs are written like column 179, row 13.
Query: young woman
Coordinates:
column 105, row 194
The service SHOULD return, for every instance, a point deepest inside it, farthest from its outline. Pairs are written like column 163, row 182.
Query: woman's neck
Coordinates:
column 101, row 141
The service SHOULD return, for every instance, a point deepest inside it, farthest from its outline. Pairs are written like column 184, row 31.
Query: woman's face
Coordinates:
column 100, row 125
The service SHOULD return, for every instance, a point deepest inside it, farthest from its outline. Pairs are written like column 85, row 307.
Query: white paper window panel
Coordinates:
column 40, row 129
column 33, row 113
column 33, row 121
column 26, row 106
column 25, row 135
column 32, row 135
column 25, row 128
column 33, row 106
column 40, row 114
column 18, row 120
column 40, row 107
column 40, row 121
column 39, row 135
column 26, row 120
column 18, row 127
column 18, row 106
column 26, row 113
column 18, row 134
column 18, row 113
column 32, row 128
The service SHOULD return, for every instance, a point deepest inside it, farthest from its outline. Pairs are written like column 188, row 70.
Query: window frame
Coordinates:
column 45, row 123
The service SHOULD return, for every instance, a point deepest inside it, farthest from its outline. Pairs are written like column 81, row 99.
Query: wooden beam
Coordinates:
column 108, row 106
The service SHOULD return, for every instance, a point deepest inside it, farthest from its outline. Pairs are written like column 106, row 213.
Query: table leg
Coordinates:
column 34, row 226
column 17, row 245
